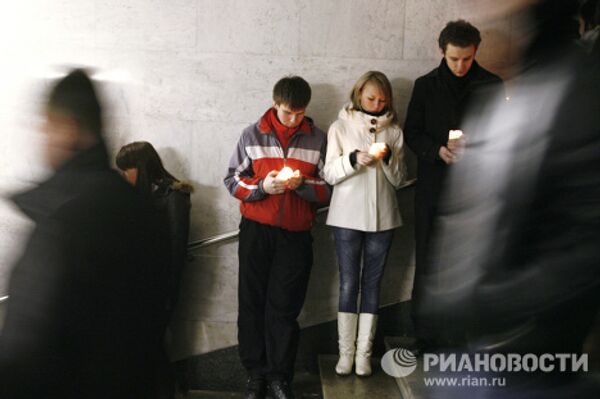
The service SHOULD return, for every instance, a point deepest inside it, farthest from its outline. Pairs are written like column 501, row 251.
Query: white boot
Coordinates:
column 347, row 342
column 367, row 324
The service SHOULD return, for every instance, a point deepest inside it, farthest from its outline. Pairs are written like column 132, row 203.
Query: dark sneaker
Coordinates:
column 256, row 388
column 280, row 390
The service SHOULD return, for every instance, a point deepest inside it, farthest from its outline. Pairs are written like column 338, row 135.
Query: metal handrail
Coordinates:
column 205, row 242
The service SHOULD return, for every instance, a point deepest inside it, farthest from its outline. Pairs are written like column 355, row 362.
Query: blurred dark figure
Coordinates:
column 82, row 318
column 142, row 167
column 520, row 227
column 589, row 26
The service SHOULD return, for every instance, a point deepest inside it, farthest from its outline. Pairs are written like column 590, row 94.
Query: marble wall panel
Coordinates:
column 249, row 27
column 425, row 20
column 148, row 24
column 371, row 29
column 14, row 228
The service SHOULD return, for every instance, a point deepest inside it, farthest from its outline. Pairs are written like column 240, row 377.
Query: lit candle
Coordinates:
column 285, row 173
column 376, row 149
column 455, row 134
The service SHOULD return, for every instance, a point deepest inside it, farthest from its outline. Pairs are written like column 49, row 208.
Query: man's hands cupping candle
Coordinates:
column 277, row 181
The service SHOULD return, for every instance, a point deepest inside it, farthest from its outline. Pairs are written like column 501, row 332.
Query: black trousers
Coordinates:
column 274, row 270
column 425, row 329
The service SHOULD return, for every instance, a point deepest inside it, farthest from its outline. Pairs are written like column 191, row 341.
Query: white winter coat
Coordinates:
column 364, row 197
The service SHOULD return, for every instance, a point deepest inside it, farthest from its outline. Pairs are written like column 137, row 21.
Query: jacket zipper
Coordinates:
column 285, row 152
column 282, row 200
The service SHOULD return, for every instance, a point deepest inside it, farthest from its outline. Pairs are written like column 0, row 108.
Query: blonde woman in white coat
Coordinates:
column 363, row 209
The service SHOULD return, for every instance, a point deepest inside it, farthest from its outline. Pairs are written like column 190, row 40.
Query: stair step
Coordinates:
column 379, row 385
column 411, row 386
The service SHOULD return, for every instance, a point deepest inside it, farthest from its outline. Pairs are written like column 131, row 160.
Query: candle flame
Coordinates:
column 285, row 173
column 376, row 148
column 455, row 134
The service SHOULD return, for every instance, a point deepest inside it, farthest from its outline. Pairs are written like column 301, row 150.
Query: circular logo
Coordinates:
column 399, row 362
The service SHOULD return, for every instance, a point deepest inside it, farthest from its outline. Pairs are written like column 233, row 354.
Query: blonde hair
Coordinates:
column 381, row 81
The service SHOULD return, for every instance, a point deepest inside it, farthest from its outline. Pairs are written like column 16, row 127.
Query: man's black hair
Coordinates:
column 459, row 33
column 292, row 91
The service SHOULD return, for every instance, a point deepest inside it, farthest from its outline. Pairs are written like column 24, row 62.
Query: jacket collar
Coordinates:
column 268, row 123
column 444, row 71
column 64, row 184
column 349, row 113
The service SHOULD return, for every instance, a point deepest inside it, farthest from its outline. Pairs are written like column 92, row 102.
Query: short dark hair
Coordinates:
column 292, row 91
column 76, row 96
column 459, row 33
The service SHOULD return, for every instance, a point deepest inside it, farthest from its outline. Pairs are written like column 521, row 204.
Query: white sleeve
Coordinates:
column 395, row 168
column 337, row 163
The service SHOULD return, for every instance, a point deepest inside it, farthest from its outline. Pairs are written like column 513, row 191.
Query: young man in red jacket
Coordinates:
column 275, row 243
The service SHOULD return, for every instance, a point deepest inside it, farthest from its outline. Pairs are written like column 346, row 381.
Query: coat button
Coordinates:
column 373, row 121
column 372, row 130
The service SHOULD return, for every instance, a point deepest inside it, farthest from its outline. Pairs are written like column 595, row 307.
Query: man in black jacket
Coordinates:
column 438, row 102
column 83, row 315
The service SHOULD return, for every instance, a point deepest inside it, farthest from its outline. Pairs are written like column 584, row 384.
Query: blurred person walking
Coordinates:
column 83, row 318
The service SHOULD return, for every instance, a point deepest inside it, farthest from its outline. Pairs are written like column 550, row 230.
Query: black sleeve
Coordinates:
column 353, row 158
column 178, row 216
column 414, row 127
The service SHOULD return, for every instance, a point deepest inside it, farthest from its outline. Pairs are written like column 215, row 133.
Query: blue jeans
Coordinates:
column 372, row 247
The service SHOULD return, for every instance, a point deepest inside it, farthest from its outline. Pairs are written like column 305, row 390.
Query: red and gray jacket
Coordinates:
column 257, row 153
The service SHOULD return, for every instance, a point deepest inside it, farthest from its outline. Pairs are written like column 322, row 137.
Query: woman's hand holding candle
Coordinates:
column 379, row 150
column 364, row 158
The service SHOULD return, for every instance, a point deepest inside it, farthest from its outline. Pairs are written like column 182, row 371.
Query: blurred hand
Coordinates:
column 457, row 145
column 295, row 181
column 271, row 185
column 446, row 155
column 363, row 158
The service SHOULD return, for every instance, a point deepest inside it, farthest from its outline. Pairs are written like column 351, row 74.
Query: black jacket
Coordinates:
column 437, row 106
column 172, row 205
column 83, row 315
